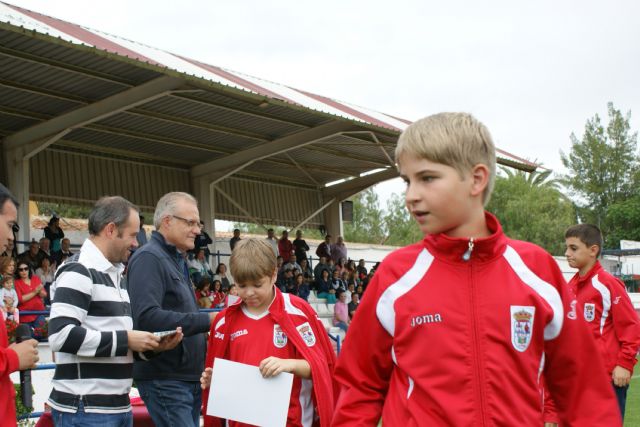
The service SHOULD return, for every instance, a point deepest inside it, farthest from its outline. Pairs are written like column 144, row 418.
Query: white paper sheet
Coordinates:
column 239, row 393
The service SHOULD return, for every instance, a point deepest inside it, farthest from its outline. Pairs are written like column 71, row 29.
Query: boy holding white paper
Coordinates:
column 276, row 332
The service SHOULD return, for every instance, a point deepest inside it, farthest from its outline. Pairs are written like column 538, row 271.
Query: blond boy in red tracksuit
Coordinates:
column 458, row 329
column 603, row 302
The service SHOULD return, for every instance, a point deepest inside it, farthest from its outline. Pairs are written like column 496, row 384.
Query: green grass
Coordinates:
column 632, row 411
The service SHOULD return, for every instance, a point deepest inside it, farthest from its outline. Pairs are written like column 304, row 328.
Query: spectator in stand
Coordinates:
column 221, row 272
column 331, row 265
column 353, row 305
column 293, row 265
column 337, row 284
column 10, row 251
column 339, row 250
column 232, row 296
column 351, row 289
column 202, row 240
column 9, row 300
column 306, row 272
column 361, row 269
column 141, row 237
column 324, row 248
column 7, row 266
column 346, row 277
column 300, row 247
column 218, row 297
column 46, row 273
column 44, row 252
column 30, row 292
column 285, row 247
column 199, row 268
column 272, row 241
column 31, row 255
column 302, row 288
column 235, row 239
column 321, row 265
column 54, row 233
column 360, row 290
column 64, row 252
column 324, row 288
column 285, row 282
column 341, row 312
column 279, row 263
column 203, row 293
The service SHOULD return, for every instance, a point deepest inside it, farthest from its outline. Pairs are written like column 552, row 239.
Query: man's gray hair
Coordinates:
column 108, row 209
column 167, row 205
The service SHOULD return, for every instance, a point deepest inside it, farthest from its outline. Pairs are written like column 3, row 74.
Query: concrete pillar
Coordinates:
column 203, row 192
column 17, row 172
column 333, row 219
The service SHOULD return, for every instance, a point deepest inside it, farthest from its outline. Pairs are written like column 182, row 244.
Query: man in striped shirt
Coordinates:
column 91, row 328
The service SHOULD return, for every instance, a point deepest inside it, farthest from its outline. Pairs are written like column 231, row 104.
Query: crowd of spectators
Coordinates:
column 25, row 278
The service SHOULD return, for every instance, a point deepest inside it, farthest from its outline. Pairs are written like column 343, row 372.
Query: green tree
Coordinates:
column 623, row 222
column 530, row 207
column 603, row 167
column 401, row 228
column 368, row 219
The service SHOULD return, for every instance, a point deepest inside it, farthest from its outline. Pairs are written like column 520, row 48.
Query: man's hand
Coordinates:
column 170, row 341
column 142, row 341
column 550, row 425
column 27, row 352
column 272, row 366
column 205, row 378
column 621, row 376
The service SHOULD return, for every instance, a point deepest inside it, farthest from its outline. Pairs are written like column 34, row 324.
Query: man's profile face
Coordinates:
column 8, row 218
column 124, row 239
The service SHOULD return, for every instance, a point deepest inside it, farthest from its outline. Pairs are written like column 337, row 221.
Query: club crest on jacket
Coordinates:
column 589, row 312
column 279, row 337
column 521, row 326
column 307, row 334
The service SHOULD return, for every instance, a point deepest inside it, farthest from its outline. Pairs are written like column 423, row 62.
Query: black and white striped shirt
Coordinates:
column 90, row 317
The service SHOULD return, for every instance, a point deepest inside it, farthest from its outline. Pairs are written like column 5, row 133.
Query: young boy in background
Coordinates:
column 275, row 331
column 458, row 328
column 603, row 302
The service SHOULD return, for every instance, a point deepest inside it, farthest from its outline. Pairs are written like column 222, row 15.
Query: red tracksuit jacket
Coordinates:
column 438, row 340
column 9, row 363
column 609, row 313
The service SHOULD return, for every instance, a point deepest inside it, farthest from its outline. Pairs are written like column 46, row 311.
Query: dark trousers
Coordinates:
column 621, row 395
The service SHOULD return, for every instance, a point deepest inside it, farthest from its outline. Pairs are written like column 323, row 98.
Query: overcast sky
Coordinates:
column 533, row 73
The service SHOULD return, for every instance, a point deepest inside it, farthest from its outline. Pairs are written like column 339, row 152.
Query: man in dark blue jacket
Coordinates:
column 162, row 299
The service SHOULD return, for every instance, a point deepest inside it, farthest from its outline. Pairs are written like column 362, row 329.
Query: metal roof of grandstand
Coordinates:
column 100, row 107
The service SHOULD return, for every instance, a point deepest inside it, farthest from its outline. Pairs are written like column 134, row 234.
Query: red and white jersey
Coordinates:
column 443, row 338
column 605, row 305
column 254, row 338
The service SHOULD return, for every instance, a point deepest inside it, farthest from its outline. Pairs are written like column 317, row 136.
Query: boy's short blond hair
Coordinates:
column 251, row 260
column 457, row 140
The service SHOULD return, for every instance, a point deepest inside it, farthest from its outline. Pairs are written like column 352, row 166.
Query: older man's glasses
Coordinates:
column 191, row 223
column 15, row 228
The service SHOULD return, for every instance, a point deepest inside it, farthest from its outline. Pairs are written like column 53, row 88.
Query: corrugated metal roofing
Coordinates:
column 49, row 67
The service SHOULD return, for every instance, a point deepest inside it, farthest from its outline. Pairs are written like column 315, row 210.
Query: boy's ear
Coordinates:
column 593, row 250
column 480, row 179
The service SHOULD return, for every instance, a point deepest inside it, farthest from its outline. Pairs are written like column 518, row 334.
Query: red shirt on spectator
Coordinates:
column 285, row 247
column 34, row 304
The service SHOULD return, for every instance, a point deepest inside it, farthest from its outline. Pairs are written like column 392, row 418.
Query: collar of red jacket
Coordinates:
column 484, row 249
column 581, row 280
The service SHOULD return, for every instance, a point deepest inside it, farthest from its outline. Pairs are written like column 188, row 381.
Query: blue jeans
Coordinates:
column 621, row 395
column 172, row 403
column 84, row 419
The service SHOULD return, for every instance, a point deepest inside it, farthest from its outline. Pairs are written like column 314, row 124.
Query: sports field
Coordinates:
column 632, row 413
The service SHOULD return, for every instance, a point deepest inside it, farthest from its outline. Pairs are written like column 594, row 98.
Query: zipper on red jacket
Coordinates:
column 467, row 255
column 478, row 354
